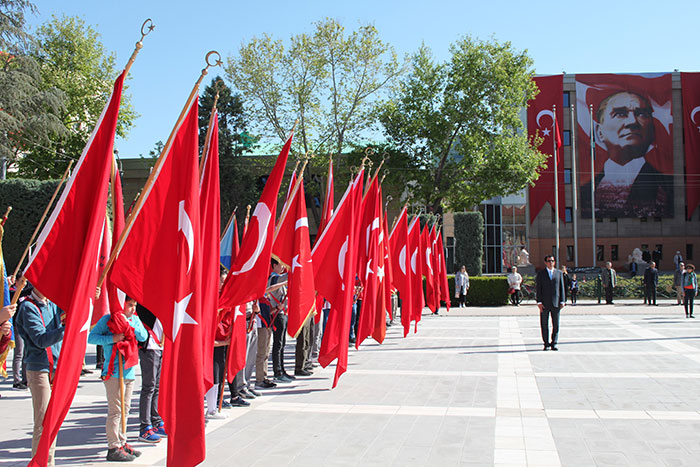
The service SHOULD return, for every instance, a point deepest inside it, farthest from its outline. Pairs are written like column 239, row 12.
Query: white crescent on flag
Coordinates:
column 185, row 225
column 341, row 259
column 413, row 260
column 402, row 260
column 541, row 114
column 262, row 213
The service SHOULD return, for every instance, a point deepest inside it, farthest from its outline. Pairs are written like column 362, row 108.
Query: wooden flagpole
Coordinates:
column 293, row 193
column 156, row 169
column 121, row 390
column 41, row 221
column 228, row 224
column 207, row 138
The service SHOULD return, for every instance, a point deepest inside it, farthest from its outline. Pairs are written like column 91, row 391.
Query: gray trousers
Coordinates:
column 315, row 340
column 303, row 346
column 19, row 373
column 244, row 378
column 150, row 361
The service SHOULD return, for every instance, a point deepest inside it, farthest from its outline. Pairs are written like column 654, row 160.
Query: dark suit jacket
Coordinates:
column 651, row 277
column 651, row 195
column 550, row 293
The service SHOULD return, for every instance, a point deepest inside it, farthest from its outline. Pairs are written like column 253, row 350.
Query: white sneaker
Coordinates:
column 216, row 416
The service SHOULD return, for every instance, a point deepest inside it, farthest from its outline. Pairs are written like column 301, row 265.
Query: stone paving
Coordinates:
column 472, row 388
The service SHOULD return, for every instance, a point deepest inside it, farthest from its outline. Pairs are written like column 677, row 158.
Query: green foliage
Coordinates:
column 28, row 199
column 626, row 288
column 328, row 80
column 483, row 291
column 459, row 122
column 469, row 241
column 74, row 61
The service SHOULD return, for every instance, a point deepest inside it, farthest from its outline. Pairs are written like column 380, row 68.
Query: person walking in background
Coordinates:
column 515, row 280
column 678, row 283
column 677, row 259
column 690, row 289
column 549, row 283
column 462, row 286
column 567, row 281
column 609, row 280
column 651, row 280
column 573, row 287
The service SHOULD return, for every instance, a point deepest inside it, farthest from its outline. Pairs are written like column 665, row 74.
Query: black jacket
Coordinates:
column 550, row 293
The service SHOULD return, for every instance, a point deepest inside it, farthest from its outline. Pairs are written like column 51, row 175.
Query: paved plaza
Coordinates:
column 472, row 388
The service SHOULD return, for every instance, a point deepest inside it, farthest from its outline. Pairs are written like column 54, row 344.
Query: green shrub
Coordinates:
column 469, row 241
column 28, row 199
column 483, row 290
column 626, row 288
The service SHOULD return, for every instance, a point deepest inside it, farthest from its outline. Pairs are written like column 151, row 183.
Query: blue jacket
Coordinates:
column 38, row 335
column 690, row 279
column 101, row 335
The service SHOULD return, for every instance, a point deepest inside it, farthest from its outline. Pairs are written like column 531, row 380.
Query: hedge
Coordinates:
column 469, row 241
column 628, row 288
column 28, row 199
column 483, row 291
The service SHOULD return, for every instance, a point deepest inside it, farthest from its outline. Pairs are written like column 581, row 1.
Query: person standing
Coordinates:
column 609, row 279
column 278, row 302
column 678, row 283
column 567, row 281
column 462, row 286
column 573, row 288
column 515, row 280
column 151, row 428
column 677, row 259
column 38, row 321
column 549, row 284
column 657, row 255
column 690, row 289
column 651, row 280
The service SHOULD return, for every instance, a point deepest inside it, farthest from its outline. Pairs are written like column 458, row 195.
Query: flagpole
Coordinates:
column 574, row 185
column 228, row 224
column 556, row 184
column 41, row 221
column 121, row 389
column 285, row 210
column 146, row 29
column 205, row 149
column 593, row 246
column 247, row 219
column 157, row 167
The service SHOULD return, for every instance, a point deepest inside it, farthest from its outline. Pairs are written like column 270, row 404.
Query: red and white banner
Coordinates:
column 540, row 123
column 690, row 87
column 633, row 134
column 400, row 268
column 415, row 268
column 370, row 229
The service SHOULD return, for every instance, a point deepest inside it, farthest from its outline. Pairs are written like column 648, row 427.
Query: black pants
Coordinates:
column 650, row 294
column 462, row 299
column 279, row 340
column 574, row 292
column 150, row 361
column 608, row 294
column 688, row 297
column 515, row 297
column 544, row 324
column 303, row 347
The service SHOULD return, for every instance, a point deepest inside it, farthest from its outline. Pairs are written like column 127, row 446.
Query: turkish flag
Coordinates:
column 444, row 286
column 292, row 248
column 540, row 122
column 210, row 212
column 383, row 277
column 237, row 349
column 160, row 265
column 416, row 266
column 427, row 267
column 690, row 86
column 116, row 297
column 334, row 259
column 435, row 268
column 370, row 230
column 400, row 269
column 102, row 304
column 326, row 214
column 247, row 279
column 64, row 263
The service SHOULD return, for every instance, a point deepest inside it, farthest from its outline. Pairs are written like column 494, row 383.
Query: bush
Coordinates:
column 483, row 291
column 28, row 199
column 627, row 288
column 469, row 241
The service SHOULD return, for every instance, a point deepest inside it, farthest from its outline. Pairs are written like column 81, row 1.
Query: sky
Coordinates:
column 593, row 36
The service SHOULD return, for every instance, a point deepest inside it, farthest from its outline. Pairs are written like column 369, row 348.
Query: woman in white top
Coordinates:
column 514, row 282
column 462, row 286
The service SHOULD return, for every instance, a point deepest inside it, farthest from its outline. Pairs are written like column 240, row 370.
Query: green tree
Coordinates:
column 74, row 60
column 460, row 123
column 28, row 109
column 329, row 81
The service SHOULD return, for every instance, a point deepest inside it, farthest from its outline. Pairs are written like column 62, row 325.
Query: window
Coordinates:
column 567, row 101
column 613, row 252
column 688, row 251
column 566, row 137
column 554, row 216
column 567, row 176
column 600, row 253
column 567, row 214
column 569, row 253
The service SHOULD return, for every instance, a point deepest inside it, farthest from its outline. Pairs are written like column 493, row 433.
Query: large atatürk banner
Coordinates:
column 632, row 129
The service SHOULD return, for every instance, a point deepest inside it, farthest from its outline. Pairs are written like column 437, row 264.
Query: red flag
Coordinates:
column 444, row 287
column 400, row 268
column 416, row 279
column 64, row 264
column 427, row 267
column 116, row 296
column 236, row 243
column 383, row 304
column 690, row 86
column 435, row 268
column 247, row 279
column 292, row 248
column 210, row 223
column 160, row 266
column 292, row 181
column 328, row 201
column 370, row 228
column 334, row 259
column 102, row 304
column 540, row 122
column 237, row 349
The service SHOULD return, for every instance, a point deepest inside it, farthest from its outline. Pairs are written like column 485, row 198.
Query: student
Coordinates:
column 574, row 289
column 118, row 449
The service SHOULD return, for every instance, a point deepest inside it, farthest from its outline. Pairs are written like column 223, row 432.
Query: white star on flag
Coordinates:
column 180, row 315
column 545, row 132
column 86, row 326
column 295, row 263
column 380, row 273
column 237, row 313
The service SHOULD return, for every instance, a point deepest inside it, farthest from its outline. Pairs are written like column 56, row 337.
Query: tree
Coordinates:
column 74, row 60
column 460, row 123
column 329, row 81
column 28, row 109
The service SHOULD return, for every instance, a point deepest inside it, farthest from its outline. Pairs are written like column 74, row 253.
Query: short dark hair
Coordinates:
column 547, row 257
column 274, row 262
column 604, row 103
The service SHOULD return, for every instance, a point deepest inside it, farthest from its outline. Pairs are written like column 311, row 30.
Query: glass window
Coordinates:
column 600, row 253
column 489, row 213
column 613, row 252
column 567, row 176
column 568, row 214
column 566, row 99
column 507, row 214
column 688, row 251
column 569, row 253
column 519, row 214
column 566, row 137
column 450, row 241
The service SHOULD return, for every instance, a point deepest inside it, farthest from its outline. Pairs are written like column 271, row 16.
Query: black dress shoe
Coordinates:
column 546, row 347
column 554, row 347
column 303, row 373
column 287, row 375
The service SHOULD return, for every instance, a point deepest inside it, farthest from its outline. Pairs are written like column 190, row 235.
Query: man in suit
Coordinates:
column 550, row 300
column 628, row 186
column 651, row 281
column 609, row 279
